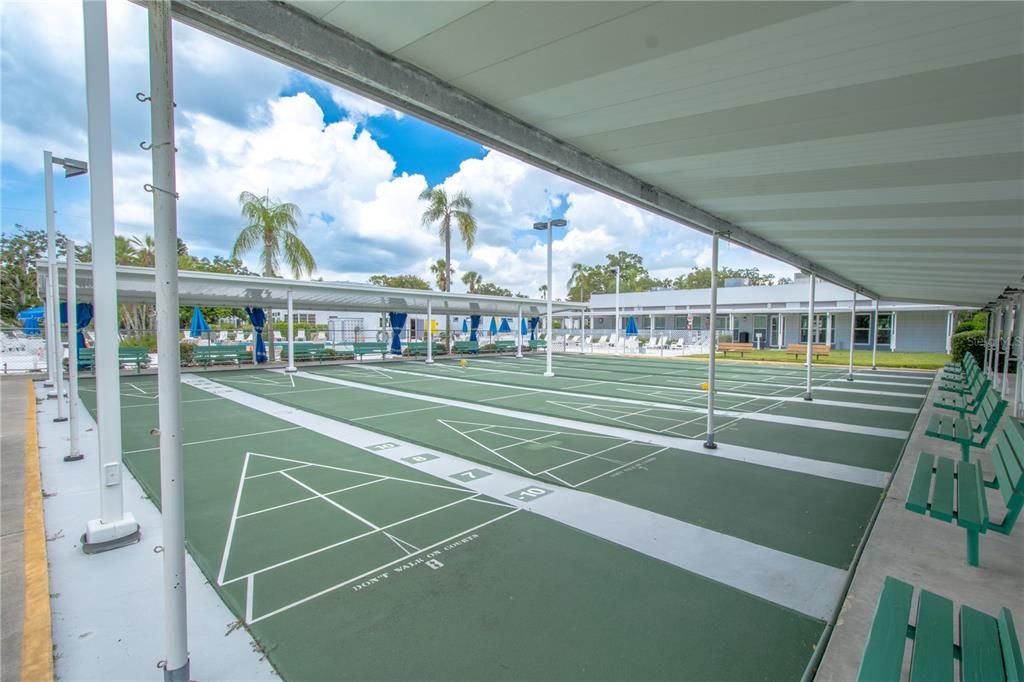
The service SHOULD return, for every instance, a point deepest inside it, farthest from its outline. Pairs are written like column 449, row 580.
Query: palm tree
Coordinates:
column 443, row 210
column 544, row 291
column 472, row 280
column 438, row 270
column 145, row 250
column 272, row 228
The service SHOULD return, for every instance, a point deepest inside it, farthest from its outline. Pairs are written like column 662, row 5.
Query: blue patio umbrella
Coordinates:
column 522, row 327
column 198, row 326
column 258, row 318
column 30, row 320
column 465, row 325
column 504, row 328
column 493, row 329
column 631, row 327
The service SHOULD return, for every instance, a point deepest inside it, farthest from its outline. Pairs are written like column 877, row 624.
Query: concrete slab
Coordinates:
column 107, row 608
column 926, row 553
column 13, row 408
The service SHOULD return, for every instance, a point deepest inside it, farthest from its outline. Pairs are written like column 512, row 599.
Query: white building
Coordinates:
column 778, row 315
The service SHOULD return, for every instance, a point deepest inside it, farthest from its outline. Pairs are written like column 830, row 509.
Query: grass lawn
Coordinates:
column 861, row 358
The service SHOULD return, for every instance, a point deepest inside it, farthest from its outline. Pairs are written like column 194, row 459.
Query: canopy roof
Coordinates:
column 876, row 144
column 138, row 285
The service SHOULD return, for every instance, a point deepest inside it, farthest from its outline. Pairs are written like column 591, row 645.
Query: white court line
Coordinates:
column 304, row 499
column 803, row 585
column 777, row 460
column 392, row 414
column 215, row 440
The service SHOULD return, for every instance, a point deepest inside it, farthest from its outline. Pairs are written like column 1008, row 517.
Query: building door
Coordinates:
column 773, row 339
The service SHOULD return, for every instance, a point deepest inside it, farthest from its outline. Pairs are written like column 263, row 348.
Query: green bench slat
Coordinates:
column 972, row 510
column 887, row 638
column 921, row 484
column 1013, row 433
column 981, row 658
column 932, row 659
column 942, row 500
column 999, row 463
column 1011, row 648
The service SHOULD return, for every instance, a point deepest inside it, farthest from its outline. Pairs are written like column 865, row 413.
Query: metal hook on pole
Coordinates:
column 150, row 188
column 142, row 97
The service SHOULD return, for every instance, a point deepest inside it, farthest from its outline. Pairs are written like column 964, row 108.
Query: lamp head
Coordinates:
column 540, row 226
column 559, row 222
column 72, row 167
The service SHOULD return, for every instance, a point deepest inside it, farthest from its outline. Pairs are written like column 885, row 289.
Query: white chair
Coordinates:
column 278, row 336
column 300, row 335
column 321, row 337
column 222, row 337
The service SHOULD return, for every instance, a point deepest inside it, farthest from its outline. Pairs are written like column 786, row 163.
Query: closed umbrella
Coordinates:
column 198, row 326
column 504, row 328
column 631, row 327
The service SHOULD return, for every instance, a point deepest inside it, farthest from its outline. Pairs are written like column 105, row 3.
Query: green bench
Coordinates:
column 538, row 344
column 960, row 429
column 221, row 355
column 501, row 346
column 954, row 368
column 463, row 347
column 362, row 348
column 960, row 383
column 988, row 648
column 307, row 352
column 966, row 403
column 416, row 348
column 126, row 356
column 963, row 482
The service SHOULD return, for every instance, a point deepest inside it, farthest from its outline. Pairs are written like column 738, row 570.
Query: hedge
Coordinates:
column 972, row 342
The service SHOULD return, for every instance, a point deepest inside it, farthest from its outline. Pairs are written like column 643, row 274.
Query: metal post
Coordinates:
column 988, row 341
column 549, row 372
column 853, row 323
column 165, row 228
column 949, row 331
column 1009, row 317
column 618, row 274
column 892, row 333
column 810, row 336
column 115, row 527
column 782, row 331
column 519, row 333
column 874, row 339
column 997, row 333
column 74, row 452
column 430, row 332
column 291, row 335
column 1018, row 395
column 828, row 329
column 52, row 302
column 709, row 442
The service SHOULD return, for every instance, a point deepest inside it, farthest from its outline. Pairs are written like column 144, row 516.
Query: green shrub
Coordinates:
column 725, row 338
column 145, row 340
column 972, row 342
column 188, row 353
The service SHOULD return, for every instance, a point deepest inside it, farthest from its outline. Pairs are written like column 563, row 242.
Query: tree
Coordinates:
column 443, row 280
column 18, row 255
column 490, row 289
column 445, row 210
column 543, row 291
column 400, row 281
column 273, row 230
column 700, row 278
column 472, row 280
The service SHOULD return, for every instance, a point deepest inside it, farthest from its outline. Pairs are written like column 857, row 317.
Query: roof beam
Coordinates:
column 297, row 39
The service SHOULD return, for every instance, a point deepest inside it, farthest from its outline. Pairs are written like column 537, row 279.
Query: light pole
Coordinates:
column 549, row 226
column 618, row 275
column 72, row 168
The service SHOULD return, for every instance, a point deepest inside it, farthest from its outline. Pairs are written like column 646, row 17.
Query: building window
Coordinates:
column 698, row 322
column 862, row 328
column 722, row 323
column 761, row 327
column 304, row 318
column 681, row 322
column 884, row 328
column 820, row 327
column 659, row 322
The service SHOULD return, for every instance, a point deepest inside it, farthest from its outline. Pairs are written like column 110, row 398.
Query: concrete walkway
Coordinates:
column 928, row 554
column 13, row 409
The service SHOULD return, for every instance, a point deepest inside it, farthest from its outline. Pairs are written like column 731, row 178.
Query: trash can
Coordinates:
column 744, row 337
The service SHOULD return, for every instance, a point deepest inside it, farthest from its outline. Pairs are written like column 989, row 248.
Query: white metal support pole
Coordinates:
column 165, row 229
column 949, row 331
column 1010, row 323
column 997, row 332
column 519, row 333
column 810, row 338
column 52, row 302
column 430, row 332
column 115, row 527
column 549, row 372
column 892, row 332
column 782, row 331
column 853, row 322
column 74, row 452
column 828, row 329
column 618, row 274
column 874, row 339
column 987, row 344
column 291, row 335
column 1018, row 395
column 709, row 442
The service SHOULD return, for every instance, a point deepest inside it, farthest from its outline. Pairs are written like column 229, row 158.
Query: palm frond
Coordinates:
column 298, row 256
column 467, row 228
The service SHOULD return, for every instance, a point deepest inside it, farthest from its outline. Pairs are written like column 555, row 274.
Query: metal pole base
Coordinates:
column 549, row 374
column 74, row 458
column 60, row 419
column 178, row 675
column 290, row 369
column 710, row 444
column 808, row 397
column 873, row 367
column 428, row 362
column 103, row 537
column 849, row 377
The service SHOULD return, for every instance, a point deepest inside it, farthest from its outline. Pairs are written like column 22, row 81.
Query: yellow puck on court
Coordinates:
column 704, row 386
column 463, row 363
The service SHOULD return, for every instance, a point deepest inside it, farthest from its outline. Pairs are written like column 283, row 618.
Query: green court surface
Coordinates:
column 347, row 563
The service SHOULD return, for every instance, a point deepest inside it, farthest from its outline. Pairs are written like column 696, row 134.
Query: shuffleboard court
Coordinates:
column 324, row 550
column 757, row 503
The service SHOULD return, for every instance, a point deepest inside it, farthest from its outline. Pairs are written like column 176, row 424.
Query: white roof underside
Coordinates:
column 138, row 285
column 881, row 141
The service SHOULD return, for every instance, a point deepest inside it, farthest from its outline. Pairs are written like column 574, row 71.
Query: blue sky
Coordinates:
column 355, row 167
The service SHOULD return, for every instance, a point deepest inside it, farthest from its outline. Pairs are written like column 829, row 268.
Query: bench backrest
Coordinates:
column 725, row 345
column 466, row 345
column 1008, row 461
column 815, row 348
column 991, row 411
column 369, row 345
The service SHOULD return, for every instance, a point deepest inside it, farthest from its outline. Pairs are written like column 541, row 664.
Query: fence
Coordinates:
column 21, row 352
